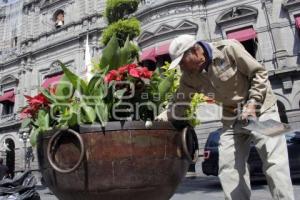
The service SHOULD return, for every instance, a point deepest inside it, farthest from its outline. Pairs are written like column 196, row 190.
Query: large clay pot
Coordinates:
column 126, row 162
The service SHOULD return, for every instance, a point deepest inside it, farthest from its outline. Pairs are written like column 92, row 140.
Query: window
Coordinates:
column 156, row 56
column 14, row 42
column 247, row 36
column 52, row 80
column 148, row 59
column 8, row 108
column 251, row 46
column 59, row 18
column 162, row 54
column 8, row 101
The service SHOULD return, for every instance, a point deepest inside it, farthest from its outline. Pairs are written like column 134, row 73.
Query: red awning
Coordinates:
column 162, row 49
column 51, row 81
column 242, row 35
column 297, row 22
column 8, row 96
column 148, row 54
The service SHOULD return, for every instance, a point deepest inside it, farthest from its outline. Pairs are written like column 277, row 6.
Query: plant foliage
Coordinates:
column 129, row 28
column 119, row 9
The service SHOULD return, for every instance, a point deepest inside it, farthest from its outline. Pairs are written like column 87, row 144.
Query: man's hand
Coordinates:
column 249, row 110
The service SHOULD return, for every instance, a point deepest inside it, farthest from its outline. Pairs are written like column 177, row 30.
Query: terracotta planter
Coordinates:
column 123, row 163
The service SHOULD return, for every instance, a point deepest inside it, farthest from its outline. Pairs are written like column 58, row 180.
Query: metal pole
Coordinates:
column 25, row 150
column 270, row 31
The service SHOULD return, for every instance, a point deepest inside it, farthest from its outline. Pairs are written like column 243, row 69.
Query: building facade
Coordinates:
column 34, row 34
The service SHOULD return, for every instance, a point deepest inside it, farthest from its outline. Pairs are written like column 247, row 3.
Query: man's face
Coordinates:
column 193, row 59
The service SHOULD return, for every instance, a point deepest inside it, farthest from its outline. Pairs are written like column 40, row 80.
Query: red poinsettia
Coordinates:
column 34, row 104
column 112, row 75
column 127, row 68
column 135, row 72
column 146, row 73
column 132, row 70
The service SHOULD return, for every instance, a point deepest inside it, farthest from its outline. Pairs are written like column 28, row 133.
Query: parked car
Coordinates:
column 211, row 155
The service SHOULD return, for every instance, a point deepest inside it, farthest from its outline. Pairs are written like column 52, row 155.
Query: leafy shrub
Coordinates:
column 118, row 9
column 123, row 29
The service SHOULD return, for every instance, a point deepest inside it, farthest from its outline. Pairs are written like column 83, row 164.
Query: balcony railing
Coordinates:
column 8, row 118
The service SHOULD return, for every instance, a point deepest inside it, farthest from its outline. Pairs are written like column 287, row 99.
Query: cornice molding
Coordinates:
column 8, row 79
column 291, row 4
column 165, row 30
column 52, row 3
column 237, row 13
column 146, row 11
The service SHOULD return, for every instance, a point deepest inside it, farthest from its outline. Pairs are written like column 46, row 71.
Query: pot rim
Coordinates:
column 125, row 125
column 116, row 126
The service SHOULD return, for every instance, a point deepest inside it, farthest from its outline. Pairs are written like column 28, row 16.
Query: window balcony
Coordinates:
column 8, row 118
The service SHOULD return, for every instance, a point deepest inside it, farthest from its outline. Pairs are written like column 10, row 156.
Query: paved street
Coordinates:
column 210, row 189
column 203, row 187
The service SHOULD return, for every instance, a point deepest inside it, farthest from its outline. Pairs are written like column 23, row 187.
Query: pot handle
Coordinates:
column 52, row 142
column 186, row 151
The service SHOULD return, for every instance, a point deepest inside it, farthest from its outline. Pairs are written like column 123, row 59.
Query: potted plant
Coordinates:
column 97, row 138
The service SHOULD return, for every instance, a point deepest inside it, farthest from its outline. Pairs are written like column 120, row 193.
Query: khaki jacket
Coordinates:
column 233, row 77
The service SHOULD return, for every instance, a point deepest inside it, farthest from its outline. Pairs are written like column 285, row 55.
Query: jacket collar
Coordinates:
column 216, row 52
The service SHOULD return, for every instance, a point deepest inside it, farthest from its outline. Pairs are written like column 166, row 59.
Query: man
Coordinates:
column 3, row 170
column 226, row 70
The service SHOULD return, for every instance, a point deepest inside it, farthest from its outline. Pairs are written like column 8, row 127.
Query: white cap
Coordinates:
column 178, row 46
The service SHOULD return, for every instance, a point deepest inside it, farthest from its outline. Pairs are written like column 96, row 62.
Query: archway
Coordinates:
column 10, row 156
column 282, row 112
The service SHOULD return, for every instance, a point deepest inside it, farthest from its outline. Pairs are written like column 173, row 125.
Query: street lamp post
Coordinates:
column 24, row 137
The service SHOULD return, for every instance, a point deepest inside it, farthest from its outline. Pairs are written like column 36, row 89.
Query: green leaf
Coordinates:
column 47, row 94
column 73, row 120
column 110, row 54
column 76, row 81
column 33, row 136
column 43, row 120
column 64, row 89
column 88, row 114
column 165, row 85
column 120, row 93
column 102, row 112
column 94, row 83
column 104, row 71
column 26, row 122
column 74, row 114
column 125, row 54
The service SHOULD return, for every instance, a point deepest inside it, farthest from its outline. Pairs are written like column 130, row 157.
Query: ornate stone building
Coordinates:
column 34, row 34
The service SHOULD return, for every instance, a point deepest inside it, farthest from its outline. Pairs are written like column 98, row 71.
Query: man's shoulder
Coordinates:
column 226, row 42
